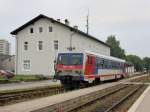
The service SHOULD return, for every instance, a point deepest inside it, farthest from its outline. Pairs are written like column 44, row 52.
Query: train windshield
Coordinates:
column 70, row 59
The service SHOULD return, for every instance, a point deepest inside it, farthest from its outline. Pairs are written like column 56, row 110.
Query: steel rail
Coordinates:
column 123, row 99
column 112, row 105
column 101, row 97
column 7, row 98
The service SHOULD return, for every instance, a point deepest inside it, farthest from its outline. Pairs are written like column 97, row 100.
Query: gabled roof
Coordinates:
column 55, row 21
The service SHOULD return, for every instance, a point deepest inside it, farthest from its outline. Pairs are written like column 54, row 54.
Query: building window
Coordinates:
column 56, row 44
column 50, row 29
column 25, row 45
column 40, row 29
column 26, row 65
column 31, row 30
column 40, row 45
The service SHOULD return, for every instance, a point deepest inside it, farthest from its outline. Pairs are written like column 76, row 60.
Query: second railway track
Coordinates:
column 99, row 101
column 22, row 95
column 109, row 101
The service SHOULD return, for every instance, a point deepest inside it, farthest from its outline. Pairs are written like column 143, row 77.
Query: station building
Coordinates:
column 39, row 40
column 4, row 47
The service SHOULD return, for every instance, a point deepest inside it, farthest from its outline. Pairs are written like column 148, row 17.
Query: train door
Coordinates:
column 125, row 69
column 89, row 67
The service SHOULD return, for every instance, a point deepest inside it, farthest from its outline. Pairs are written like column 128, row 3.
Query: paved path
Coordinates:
column 143, row 103
column 24, row 85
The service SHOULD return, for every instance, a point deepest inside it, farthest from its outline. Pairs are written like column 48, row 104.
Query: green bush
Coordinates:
column 21, row 77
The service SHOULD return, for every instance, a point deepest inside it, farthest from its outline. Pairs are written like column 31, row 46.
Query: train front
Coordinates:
column 69, row 68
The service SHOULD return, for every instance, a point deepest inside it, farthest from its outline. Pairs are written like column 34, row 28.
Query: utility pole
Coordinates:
column 71, row 48
column 87, row 22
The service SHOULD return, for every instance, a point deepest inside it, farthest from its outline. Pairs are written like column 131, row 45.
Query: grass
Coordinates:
column 26, row 78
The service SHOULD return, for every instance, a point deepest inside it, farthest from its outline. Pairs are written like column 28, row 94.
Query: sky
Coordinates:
column 128, row 20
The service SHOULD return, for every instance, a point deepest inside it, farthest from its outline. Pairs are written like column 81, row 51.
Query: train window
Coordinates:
column 96, row 62
column 109, row 64
column 119, row 66
column 76, row 59
column 113, row 65
column 105, row 64
column 101, row 62
column 63, row 59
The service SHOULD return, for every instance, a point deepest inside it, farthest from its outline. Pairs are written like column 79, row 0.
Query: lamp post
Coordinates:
column 56, row 50
column 71, row 48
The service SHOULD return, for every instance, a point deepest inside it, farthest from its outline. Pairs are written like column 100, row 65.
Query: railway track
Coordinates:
column 107, row 107
column 104, row 100
column 22, row 95
column 109, row 101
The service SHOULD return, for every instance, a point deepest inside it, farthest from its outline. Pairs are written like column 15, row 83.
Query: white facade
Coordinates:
column 31, row 60
column 4, row 47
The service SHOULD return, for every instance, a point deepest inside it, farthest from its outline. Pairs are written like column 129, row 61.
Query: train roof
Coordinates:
column 100, row 55
column 106, row 57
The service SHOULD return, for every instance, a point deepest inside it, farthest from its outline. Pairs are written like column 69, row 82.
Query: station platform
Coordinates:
column 29, row 106
column 36, row 104
column 25, row 85
column 143, row 102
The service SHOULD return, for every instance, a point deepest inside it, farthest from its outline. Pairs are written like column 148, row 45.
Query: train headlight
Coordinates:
column 78, row 72
column 59, row 71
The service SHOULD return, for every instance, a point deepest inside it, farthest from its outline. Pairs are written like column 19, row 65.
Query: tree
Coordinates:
column 146, row 62
column 137, row 61
column 116, row 50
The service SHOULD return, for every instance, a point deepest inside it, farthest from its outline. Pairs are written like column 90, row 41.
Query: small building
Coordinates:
column 4, row 47
column 129, row 68
column 40, row 39
column 9, row 64
column 2, row 58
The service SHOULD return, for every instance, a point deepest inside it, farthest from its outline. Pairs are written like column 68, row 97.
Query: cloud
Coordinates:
column 129, row 20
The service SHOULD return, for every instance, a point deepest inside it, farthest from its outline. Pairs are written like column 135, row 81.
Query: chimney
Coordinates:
column 75, row 27
column 58, row 20
column 66, row 22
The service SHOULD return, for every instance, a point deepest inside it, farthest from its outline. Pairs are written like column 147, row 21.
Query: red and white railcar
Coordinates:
column 88, row 67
